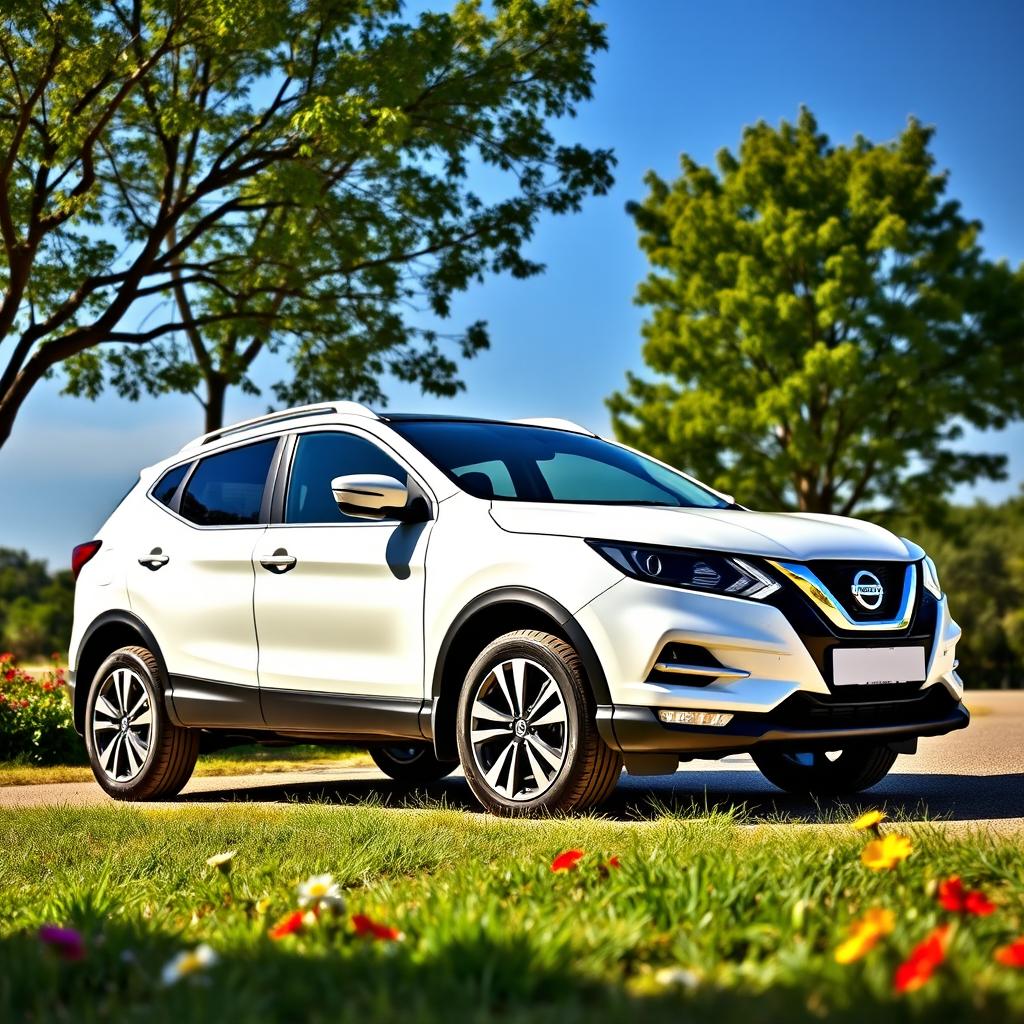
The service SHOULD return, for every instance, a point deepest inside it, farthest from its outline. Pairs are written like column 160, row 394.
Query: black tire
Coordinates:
column 853, row 771
column 412, row 763
column 171, row 751
column 589, row 770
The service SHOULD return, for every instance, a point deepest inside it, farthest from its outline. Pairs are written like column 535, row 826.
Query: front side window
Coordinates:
column 227, row 489
column 514, row 462
column 319, row 458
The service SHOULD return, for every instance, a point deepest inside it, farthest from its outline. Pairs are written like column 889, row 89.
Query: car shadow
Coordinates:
column 688, row 792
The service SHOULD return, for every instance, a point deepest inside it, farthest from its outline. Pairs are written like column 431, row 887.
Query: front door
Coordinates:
column 338, row 600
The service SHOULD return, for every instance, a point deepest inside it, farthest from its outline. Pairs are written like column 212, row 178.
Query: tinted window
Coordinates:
column 523, row 463
column 499, row 482
column 319, row 458
column 227, row 489
column 164, row 490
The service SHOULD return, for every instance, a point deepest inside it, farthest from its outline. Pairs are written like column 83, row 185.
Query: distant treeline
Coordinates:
column 979, row 551
column 35, row 607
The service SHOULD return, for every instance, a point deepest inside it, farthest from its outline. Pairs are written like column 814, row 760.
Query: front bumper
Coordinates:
column 803, row 724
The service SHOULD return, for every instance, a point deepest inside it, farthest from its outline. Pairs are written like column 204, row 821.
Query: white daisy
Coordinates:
column 321, row 892
column 676, row 977
column 187, row 962
column 222, row 861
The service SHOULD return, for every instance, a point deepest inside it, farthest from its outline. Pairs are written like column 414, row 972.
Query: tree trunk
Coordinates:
column 8, row 410
column 216, row 390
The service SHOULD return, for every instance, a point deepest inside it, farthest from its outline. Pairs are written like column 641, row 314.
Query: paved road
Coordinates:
column 970, row 777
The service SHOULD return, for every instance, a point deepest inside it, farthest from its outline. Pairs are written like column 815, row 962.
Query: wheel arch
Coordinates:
column 107, row 633
column 486, row 617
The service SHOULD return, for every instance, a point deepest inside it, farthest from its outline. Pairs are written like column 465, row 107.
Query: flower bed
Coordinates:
column 36, row 722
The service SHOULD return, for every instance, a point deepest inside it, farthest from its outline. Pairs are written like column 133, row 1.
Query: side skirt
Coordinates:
column 208, row 704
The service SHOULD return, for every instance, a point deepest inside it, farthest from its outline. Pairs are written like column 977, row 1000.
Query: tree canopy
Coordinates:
column 822, row 324
column 186, row 184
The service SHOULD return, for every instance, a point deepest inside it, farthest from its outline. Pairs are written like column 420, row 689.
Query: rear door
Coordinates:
column 190, row 579
column 338, row 600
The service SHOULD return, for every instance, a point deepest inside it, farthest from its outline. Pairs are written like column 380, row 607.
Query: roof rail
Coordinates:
column 299, row 412
column 555, row 423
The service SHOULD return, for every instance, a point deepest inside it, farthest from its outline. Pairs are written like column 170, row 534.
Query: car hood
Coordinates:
column 787, row 535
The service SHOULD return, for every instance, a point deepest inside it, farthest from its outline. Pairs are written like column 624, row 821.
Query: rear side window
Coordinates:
column 227, row 489
column 319, row 458
column 169, row 483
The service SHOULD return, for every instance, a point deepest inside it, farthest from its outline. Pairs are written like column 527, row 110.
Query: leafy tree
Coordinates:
column 186, row 184
column 823, row 324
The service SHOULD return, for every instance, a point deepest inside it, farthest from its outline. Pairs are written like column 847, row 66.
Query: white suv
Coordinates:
column 523, row 598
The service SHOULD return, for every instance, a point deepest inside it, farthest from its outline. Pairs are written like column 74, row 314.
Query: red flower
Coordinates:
column 374, row 929
column 924, row 958
column 1013, row 954
column 954, row 897
column 6, row 656
column 65, row 942
column 23, row 704
column 613, row 862
column 10, row 674
column 566, row 861
column 288, row 925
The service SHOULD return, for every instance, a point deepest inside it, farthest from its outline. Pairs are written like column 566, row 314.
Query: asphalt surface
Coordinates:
column 968, row 778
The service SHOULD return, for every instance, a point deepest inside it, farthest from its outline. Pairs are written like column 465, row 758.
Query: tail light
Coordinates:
column 81, row 554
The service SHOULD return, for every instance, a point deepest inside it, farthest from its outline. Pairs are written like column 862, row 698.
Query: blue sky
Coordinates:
column 678, row 77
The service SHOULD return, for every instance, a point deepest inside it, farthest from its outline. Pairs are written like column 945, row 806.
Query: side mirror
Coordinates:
column 370, row 496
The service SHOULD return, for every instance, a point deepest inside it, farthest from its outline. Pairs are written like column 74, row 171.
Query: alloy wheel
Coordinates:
column 518, row 729
column 122, row 725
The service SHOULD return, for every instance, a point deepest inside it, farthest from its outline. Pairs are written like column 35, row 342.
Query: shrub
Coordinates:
column 36, row 719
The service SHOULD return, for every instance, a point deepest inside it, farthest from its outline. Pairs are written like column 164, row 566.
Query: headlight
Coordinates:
column 931, row 578
column 692, row 570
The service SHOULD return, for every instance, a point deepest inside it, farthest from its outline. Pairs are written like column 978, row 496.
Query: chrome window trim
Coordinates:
column 824, row 600
column 195, row 459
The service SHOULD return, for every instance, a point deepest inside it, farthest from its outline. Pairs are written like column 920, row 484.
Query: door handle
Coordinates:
column 280, row 561
column 155, row 559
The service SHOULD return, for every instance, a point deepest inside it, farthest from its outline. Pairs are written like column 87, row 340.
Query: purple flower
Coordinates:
column 65, row 942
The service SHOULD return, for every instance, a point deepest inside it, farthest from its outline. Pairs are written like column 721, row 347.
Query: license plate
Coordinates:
column 876, row 666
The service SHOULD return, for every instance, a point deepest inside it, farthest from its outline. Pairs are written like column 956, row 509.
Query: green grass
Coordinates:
column 244, row 760
column 491, row 933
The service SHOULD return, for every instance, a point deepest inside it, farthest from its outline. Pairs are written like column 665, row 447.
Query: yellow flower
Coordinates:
column 869, row 819
column 887, row 852
column 864, row 933
column 221, row 861
column 263, row 905
column 188, row 962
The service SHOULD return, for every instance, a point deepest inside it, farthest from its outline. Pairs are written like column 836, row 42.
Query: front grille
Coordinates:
column 813, row 711
column 839, row 577
column 820, row 638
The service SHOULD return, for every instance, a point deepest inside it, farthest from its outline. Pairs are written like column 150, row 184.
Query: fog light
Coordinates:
column 715, row 718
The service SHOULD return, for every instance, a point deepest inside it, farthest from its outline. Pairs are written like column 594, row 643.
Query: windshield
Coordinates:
column 509, row 462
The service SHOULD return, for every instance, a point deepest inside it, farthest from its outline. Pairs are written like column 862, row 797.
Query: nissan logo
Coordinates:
column 868, row 590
